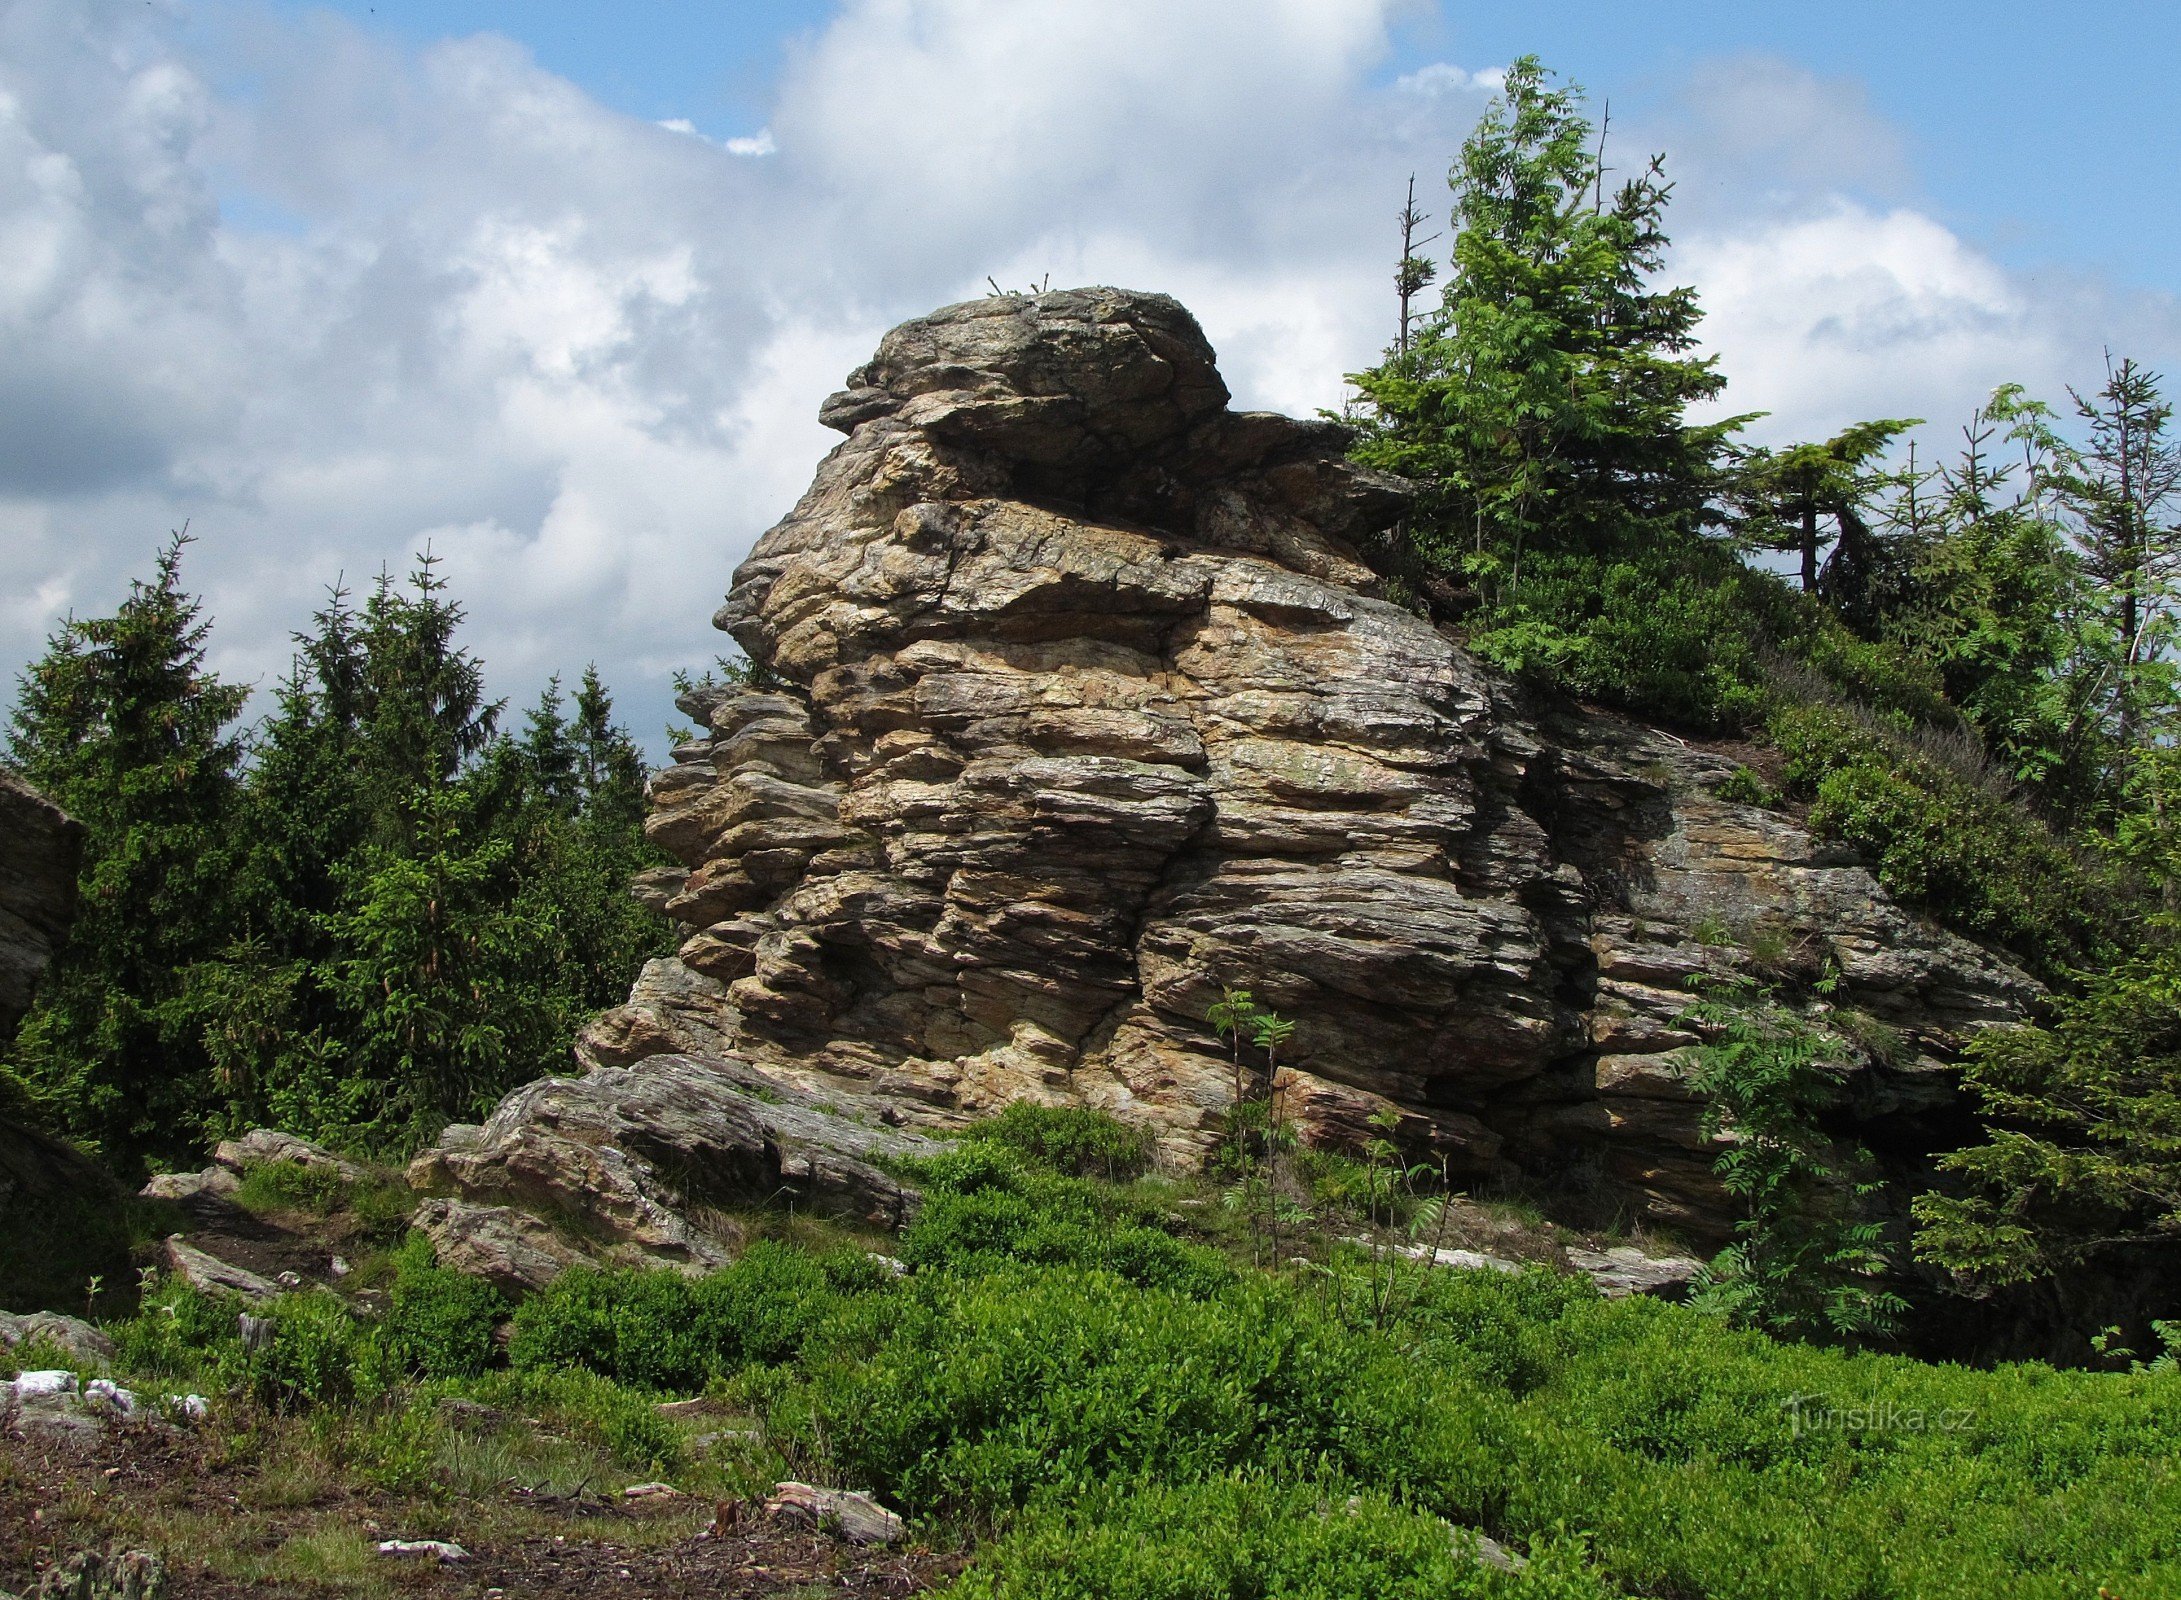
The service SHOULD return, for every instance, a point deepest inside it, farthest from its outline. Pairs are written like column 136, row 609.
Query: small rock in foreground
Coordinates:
column 856, row 1517
column 445, row 1551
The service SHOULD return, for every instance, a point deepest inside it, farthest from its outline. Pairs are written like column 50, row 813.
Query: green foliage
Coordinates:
column 439, row 1323
column 1944, row 843
column 1544, row 405
column 121, row 723
column 1804, row 1263
column 308, row 1355
column 984, row 1393
column 39, row 1354
column 1665, row 632
column 290, row 1186
column 1744, row 788
column 1119, row 1437
column 2084, row 1154
column 1242, row 1539
column 391, row 915
column 983, row 1209
column 662, row 1331
column 1074, row 1140
column 177, row 1332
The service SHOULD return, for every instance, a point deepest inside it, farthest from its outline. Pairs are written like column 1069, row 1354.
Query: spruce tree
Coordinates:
column 1544, row 405
column 121, row 723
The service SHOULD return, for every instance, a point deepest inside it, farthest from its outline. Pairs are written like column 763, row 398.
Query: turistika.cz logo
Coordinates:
column 1816, row 1413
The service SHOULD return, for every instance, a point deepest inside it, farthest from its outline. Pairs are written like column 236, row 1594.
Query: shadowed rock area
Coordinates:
column 60, row 1216
column 1077, row 703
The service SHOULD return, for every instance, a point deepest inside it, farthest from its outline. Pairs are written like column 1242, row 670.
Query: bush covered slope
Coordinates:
column 1107, row 1409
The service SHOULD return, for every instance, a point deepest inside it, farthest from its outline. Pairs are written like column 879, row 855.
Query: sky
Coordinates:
column 555, row 289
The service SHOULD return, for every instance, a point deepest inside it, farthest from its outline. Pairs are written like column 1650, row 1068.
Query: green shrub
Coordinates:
column 291, row 1186
column 308, row 1353
column 1243, row 1539
column 983, row 1209
column 178, row 1332
column 397, row 1449
column 1743, row 787
column 663, row 1331
column 593, row 1409
column 982, row 1394
column 1506, row 1332
column 439, row 1323
column 1980, row 864
column 41, row 1354
column 632, row 1325
column 1074, row 1140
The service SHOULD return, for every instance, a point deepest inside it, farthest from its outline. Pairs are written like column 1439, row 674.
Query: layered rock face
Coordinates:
column 1077, row 705
column 40, row 845
column 60, row 1216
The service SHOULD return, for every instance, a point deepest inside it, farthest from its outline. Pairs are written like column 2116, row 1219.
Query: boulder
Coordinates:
column 72, row 1334
column 1623, row 1270
column 63, row 1222
column 214, row 1187
column 516, row 1252
column 61, row 1216
column 269, row 1147
column 40, row 846
column 642, row 1153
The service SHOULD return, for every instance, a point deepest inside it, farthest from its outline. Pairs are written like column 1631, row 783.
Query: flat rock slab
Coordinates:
column 202, row 1270
column 1624, row 1270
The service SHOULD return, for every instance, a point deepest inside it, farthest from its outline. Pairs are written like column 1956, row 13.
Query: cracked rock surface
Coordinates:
column 1078, row 703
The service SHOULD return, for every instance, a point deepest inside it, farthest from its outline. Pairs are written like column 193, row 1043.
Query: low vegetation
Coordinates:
column 1124, row 1419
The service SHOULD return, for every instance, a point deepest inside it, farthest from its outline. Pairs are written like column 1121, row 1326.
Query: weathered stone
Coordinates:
column 270, row 1147
column 200, row 1269
column 71, row 1334
column 62, row 1217
column 63, row 1220
column 513, row 1250
column 852, row 1516
column 213, row 1185
column 1083, row 704
column 40, row 846
column 634, row 1151
column 1623, row 1270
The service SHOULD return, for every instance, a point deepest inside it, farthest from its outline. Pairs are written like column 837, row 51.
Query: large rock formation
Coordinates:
column 1077, row 704
column 40, row 845
column 61, row 1220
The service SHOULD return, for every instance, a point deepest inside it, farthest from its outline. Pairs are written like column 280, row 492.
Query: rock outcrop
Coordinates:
column 637, row 1158
column 61, row 1221
column 1077, row 704
column 40, row 846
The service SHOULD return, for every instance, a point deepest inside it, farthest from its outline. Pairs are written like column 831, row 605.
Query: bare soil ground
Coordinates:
column 232, row 1524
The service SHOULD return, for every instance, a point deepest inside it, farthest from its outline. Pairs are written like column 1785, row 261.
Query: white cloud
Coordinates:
column 581, row 352
column 1851, row 312
column 756, row 144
